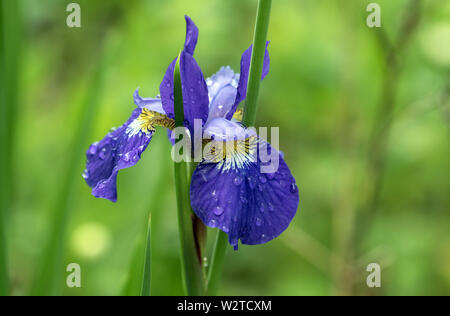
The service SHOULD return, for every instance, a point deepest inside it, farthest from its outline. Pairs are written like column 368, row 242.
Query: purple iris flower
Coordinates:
column 231, row 189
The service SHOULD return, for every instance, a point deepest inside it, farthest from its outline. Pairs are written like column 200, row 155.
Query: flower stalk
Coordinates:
column 190, row 260
column 256, row 69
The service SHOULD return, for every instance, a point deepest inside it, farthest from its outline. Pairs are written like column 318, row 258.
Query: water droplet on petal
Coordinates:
column 85, row 174
column 212, row 223
column 259, row 222
column 238, row 181
column 171, row 97
column 218, row 210
column 262, row 179
column 270, row 205
column 93, row 149
column 102, row 154
column 168, row 85
column 126, row 158
column 262, row 208
column 252, row 182
column 293, row 188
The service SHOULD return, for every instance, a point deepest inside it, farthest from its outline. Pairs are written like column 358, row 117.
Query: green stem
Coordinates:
column 217, row 262
column 145, row 291
column 256, row 68
column 190, row 260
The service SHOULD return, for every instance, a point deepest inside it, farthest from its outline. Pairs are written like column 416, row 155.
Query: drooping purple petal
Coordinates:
column 120, row 149
column 243, row 81
column 222, row 90
column 245, row 203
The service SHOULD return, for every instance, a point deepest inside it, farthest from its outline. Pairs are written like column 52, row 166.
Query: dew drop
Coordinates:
column 262, row 208
column 205, row 262
column 168, row 85
column 102, row 154
column 218, row 210
column 238, row 181
column 85, row 174
column 93, row 149
column 171, row 97
column 258, row 222
column 212, row 223
column 252, row 182
column 262, row 179
column 126, row 158
column 293, row 188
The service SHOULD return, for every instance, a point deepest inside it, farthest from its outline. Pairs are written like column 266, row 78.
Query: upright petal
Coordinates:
column 243, row 81
column 222, row 90
column 152, row 104
column 191, row 36
column 236, row 196
column 195, row 92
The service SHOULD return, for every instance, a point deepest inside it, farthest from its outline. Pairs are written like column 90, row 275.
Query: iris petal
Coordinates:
column 246, row 204
column 222, row 90
column 195, row 92
column 152, row 104
column 120, row 149
column 243, row 81
column 191, row 36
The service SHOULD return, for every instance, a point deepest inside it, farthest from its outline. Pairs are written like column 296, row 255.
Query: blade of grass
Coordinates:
column 192, row 270
column 133, row 285
column 256, row 68
column 10, row 44
column 49, row 280
column 145, row 289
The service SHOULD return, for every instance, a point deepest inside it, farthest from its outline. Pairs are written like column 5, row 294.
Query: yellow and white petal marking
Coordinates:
column 238, row 115
column 147, row 121
column 231, row 155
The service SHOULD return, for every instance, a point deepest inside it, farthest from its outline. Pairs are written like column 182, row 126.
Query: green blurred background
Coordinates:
column 364, row 119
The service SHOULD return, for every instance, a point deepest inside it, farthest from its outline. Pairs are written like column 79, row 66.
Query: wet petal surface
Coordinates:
column 245, row 203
